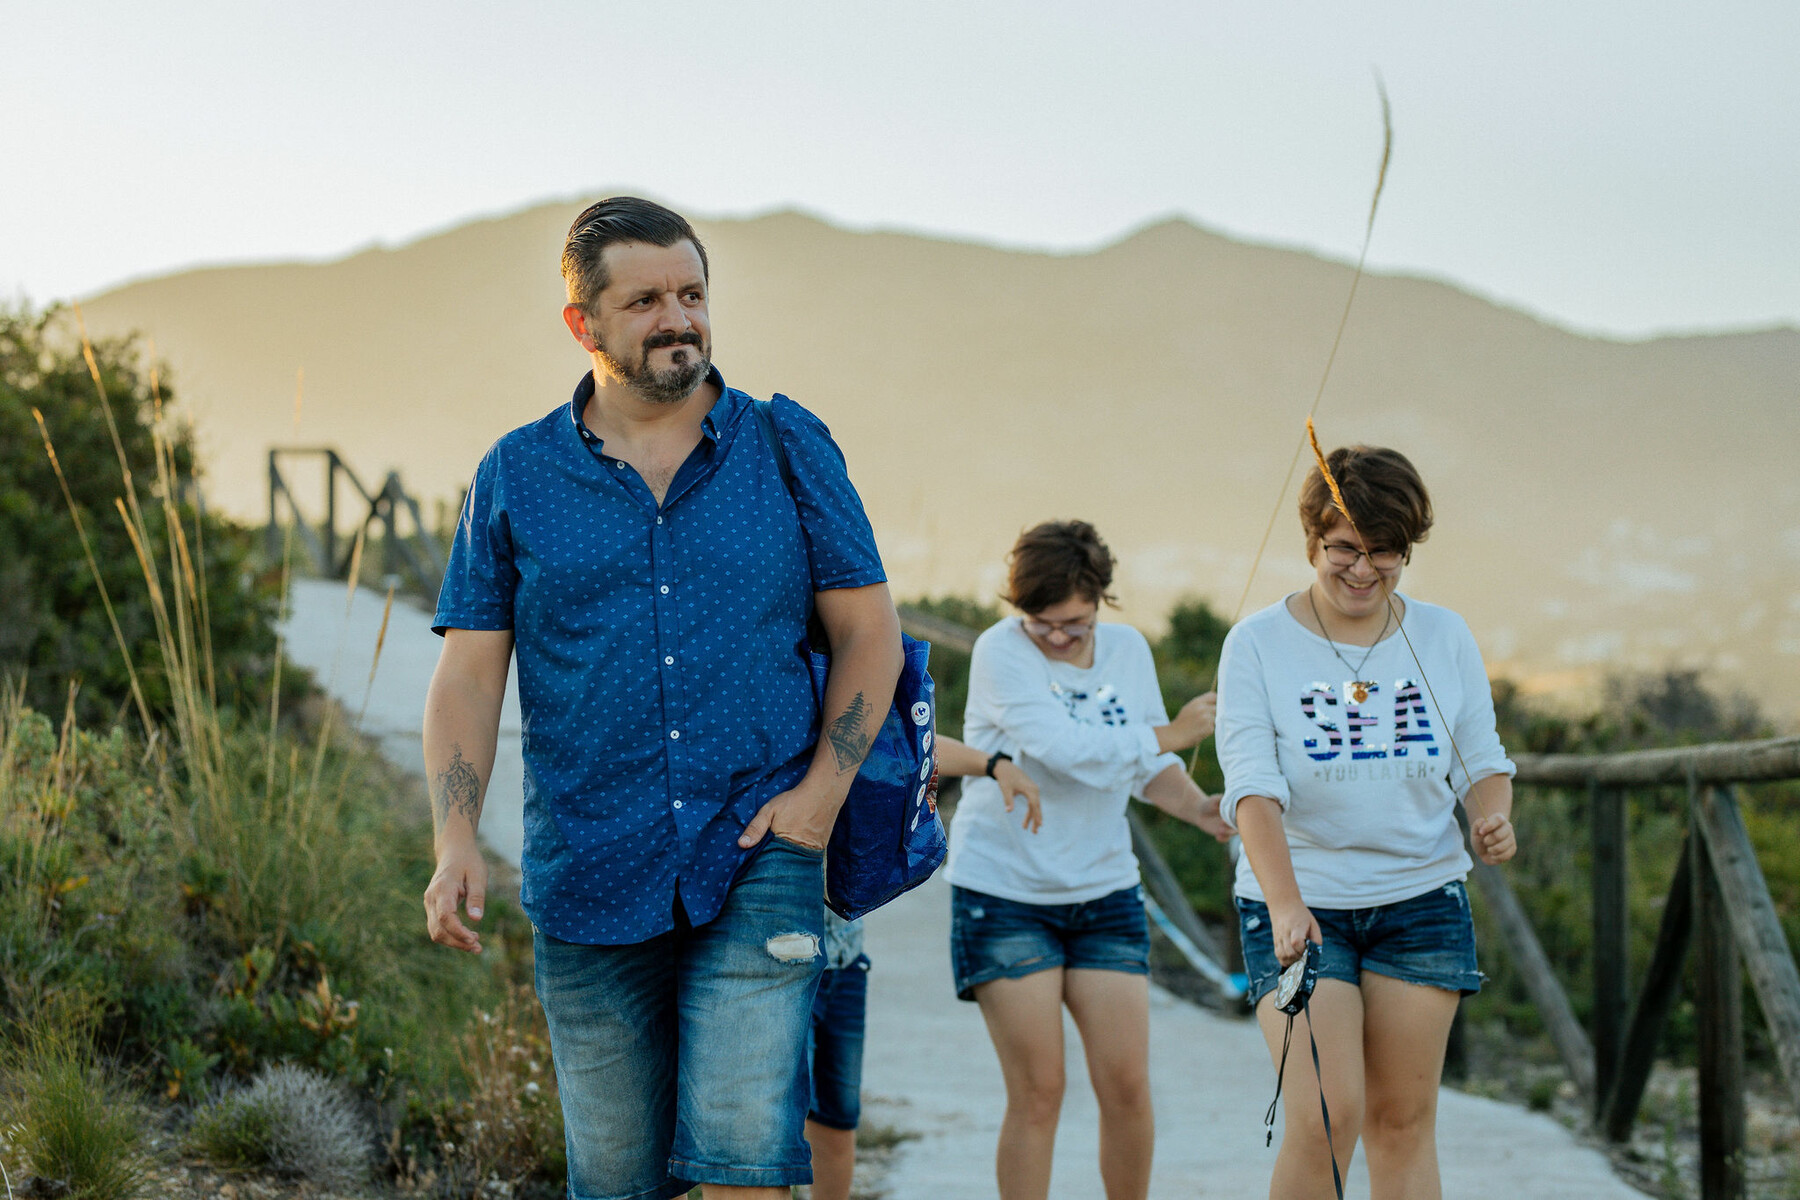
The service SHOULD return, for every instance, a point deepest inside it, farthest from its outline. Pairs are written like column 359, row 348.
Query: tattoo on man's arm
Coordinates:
column 849, row 740
column 456, row 788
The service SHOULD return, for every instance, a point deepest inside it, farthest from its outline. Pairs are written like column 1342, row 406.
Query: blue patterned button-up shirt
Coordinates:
column 664, row 693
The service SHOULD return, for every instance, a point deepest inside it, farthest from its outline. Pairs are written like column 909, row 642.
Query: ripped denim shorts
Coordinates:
column 1427, row 939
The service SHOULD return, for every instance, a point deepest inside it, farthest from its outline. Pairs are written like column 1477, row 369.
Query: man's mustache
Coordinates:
column 658, row 341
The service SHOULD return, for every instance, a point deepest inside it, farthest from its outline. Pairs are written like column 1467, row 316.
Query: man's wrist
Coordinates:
column 456, row 837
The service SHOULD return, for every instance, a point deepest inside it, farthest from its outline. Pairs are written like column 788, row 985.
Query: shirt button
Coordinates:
column 678, row 804
column 665, row 589
column 620, row 464
column 675, row 733
column 659, row 520
column 669, row 660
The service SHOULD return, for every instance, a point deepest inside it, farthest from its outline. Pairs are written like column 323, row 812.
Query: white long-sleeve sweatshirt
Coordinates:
column 1086, row 736
column 1361, row 785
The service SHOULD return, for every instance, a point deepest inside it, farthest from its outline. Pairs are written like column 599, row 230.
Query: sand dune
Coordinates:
column 1600, row 503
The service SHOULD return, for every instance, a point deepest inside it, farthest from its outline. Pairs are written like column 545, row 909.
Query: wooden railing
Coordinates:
column 1718, row 908
column 416, row 554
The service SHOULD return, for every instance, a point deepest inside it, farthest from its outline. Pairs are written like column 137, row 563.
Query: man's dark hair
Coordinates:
column 613, row 220
column 1056, row 560
column 1388, row 502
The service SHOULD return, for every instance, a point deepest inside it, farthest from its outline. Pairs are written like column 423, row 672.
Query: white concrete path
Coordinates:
column 929, row 1068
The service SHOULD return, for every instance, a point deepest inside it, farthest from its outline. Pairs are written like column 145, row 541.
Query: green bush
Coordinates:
column 53, row 622
column 226, row 892
column 298, row 937
column 232, row 1131
column 67, row 1117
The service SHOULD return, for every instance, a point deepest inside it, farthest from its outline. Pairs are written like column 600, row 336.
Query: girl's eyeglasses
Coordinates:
column 1073, row 630
column 1341, row 554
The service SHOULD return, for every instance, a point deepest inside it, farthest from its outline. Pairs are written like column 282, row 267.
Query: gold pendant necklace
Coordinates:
column 1359, row 687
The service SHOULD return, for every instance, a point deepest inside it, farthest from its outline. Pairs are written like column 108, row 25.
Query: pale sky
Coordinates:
column 1617, row 167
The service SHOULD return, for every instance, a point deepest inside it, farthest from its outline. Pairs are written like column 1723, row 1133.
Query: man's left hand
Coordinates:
column 799, row 816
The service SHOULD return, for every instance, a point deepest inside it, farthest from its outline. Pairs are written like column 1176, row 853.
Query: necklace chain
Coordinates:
column 1355, row 671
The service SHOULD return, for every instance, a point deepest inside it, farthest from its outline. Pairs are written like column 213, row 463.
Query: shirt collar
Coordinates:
column 723, row 413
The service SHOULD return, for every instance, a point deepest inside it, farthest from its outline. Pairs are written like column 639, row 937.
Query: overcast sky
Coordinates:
column 1619, row 167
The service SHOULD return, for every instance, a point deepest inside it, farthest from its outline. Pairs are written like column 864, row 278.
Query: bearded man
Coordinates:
column 642, row 554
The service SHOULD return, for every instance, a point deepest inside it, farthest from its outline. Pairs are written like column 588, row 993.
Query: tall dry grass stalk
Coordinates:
column 281, row 609
column 1287, row 480
column 268, row 841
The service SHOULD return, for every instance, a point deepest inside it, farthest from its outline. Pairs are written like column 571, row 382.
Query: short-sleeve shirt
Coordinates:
column 663, row 685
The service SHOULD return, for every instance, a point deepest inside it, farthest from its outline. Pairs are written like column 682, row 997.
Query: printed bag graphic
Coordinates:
column 888, row 838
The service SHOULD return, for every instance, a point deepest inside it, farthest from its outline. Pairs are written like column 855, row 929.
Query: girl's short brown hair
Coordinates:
column 1388, row 502
column 1056, row 560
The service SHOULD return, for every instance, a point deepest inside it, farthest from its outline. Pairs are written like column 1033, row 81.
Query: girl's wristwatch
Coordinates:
column 994, row 760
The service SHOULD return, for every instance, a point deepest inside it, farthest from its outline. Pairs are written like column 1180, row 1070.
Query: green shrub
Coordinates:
column 231, row 1131
column 67, row 1117
column 315, row 1131
column 54, row 626
column 508, row 1126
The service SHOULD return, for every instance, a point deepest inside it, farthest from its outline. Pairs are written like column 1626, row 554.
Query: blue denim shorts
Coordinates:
column 682, row 1060
column 992, row 938
column 834, row 1056
column 1428, row 939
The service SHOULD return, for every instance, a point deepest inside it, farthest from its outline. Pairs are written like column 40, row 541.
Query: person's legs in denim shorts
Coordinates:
column 834, row 1061
column 682, row 1060
column 1428, row 939
column 1024, row 964
column 834, row 1056
column 995, row 938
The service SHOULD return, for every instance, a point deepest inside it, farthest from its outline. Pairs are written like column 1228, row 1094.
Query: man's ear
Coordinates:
column 576, row 318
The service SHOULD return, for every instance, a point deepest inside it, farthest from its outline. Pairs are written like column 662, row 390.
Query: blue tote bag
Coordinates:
column 888, row 838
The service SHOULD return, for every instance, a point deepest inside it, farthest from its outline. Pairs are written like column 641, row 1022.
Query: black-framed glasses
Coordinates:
column 1342, row 554
column 1073, row 630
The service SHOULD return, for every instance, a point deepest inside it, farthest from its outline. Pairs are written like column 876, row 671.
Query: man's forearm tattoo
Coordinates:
column 849, row 740
column 456, row 788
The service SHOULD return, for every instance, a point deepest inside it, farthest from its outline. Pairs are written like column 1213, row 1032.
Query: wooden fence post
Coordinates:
column 1752, row 916
column 1540, row 980
column 1654, row 999
column 1612, row 934
column 1719, row 1001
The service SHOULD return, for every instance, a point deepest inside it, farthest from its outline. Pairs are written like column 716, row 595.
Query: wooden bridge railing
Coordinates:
column 416, row 552
column 1718, row 908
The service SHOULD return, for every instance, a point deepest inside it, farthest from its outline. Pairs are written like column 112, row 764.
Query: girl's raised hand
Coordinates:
column 1494, row 839
column 1014, row 782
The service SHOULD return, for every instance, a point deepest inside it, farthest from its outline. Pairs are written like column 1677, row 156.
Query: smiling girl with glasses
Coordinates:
column 1352, row 720
column 1055, row 918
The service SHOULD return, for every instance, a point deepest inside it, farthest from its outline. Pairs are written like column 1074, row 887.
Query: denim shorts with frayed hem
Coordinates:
column 682, row 1060
column 994, row 938
column 1428, row 939
column 835, row 1055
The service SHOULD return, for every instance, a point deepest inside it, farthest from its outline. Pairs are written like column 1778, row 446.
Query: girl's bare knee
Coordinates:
column 1039, row 1100
column 1123, row 1092
column 1400, row 1122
